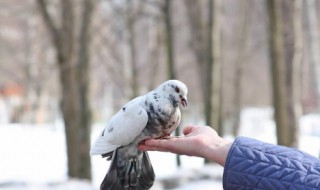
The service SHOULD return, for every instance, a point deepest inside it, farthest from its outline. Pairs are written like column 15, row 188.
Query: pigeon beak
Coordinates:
column 184, row 101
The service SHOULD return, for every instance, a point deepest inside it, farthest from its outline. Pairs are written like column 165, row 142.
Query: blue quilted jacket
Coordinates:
column 252, row 164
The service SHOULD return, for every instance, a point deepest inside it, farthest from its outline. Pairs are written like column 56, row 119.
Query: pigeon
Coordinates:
column 153, row 115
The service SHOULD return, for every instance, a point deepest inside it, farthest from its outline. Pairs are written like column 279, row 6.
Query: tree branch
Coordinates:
column 54, row 31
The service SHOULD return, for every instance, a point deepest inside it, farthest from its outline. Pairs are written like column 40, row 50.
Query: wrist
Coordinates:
column 218, row 151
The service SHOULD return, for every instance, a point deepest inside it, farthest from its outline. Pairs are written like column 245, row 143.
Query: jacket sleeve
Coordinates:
column 252, row 164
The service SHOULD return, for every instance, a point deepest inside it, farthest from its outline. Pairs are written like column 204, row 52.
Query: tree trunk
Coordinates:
column 278, row 72
column 73, row 64
column 292, row 22
column 154, row 58
column 206, row 47
column 201, row 45
column 208, row 69
column 169, row 39
column 212, row 101
column 217, row 67
column 132, row 44
column 237, row 95
column 170, row 53
column 293, row 52
column 295, row 107
column 313, row 39
column 30, row 68
column 83, row 78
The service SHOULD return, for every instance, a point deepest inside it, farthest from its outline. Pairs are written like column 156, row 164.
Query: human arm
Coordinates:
column 252, row 164
column 201, row 141
column 248, row 163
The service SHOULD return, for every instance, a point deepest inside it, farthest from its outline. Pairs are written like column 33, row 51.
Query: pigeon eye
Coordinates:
column 177, row 89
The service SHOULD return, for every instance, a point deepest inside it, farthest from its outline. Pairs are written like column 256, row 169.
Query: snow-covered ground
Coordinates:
column 34, row 157
column 258, row 123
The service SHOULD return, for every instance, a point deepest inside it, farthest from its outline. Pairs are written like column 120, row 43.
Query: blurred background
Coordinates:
column 252, row 68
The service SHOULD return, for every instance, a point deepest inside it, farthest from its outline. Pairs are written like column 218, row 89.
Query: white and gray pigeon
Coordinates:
column 153, row 115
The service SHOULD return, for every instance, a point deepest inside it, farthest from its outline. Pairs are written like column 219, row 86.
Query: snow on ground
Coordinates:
column 201, row 185
column 71, row 184
column 34, row 157
column 32, row 154
column 258, row 123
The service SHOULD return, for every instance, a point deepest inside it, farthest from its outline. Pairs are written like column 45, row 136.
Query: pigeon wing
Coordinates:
column 122, row 129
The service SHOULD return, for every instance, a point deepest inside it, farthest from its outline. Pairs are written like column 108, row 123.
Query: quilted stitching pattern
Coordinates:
column 254, row 165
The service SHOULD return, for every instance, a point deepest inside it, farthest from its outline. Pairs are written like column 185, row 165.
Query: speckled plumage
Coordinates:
column 153, row 115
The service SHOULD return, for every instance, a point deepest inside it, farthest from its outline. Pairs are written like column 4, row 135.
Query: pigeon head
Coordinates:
column 176, row 91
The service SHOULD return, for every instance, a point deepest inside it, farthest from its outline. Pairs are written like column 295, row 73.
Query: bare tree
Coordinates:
column 297, row 57
column 293, row 28
column 313, row 41
column 154, row 57
column 73, row 55
column 284, row 71
column 202, row 50
column 169, row 38
column 208, row 99
column 278, row 71
column 237, row 98
column 169, row 44
column 131, row 22
column 206, row 45
column 201, row 45
column 217, row 67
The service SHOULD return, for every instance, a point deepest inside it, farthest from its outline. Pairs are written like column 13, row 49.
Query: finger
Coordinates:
column 156, row 142
column 163, row 144
column 188, row 129
column 142, row 147
column 145, row 147
column 151, row 148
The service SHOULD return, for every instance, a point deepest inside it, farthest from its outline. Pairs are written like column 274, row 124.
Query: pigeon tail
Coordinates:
column 133, row 174
column 147, row 174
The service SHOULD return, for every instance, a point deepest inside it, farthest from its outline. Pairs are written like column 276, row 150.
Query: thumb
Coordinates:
column 188, row 129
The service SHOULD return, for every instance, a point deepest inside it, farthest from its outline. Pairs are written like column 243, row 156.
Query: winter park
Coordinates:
column 159, row 94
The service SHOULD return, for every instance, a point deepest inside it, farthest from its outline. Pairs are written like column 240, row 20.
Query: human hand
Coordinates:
column 201, row 141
